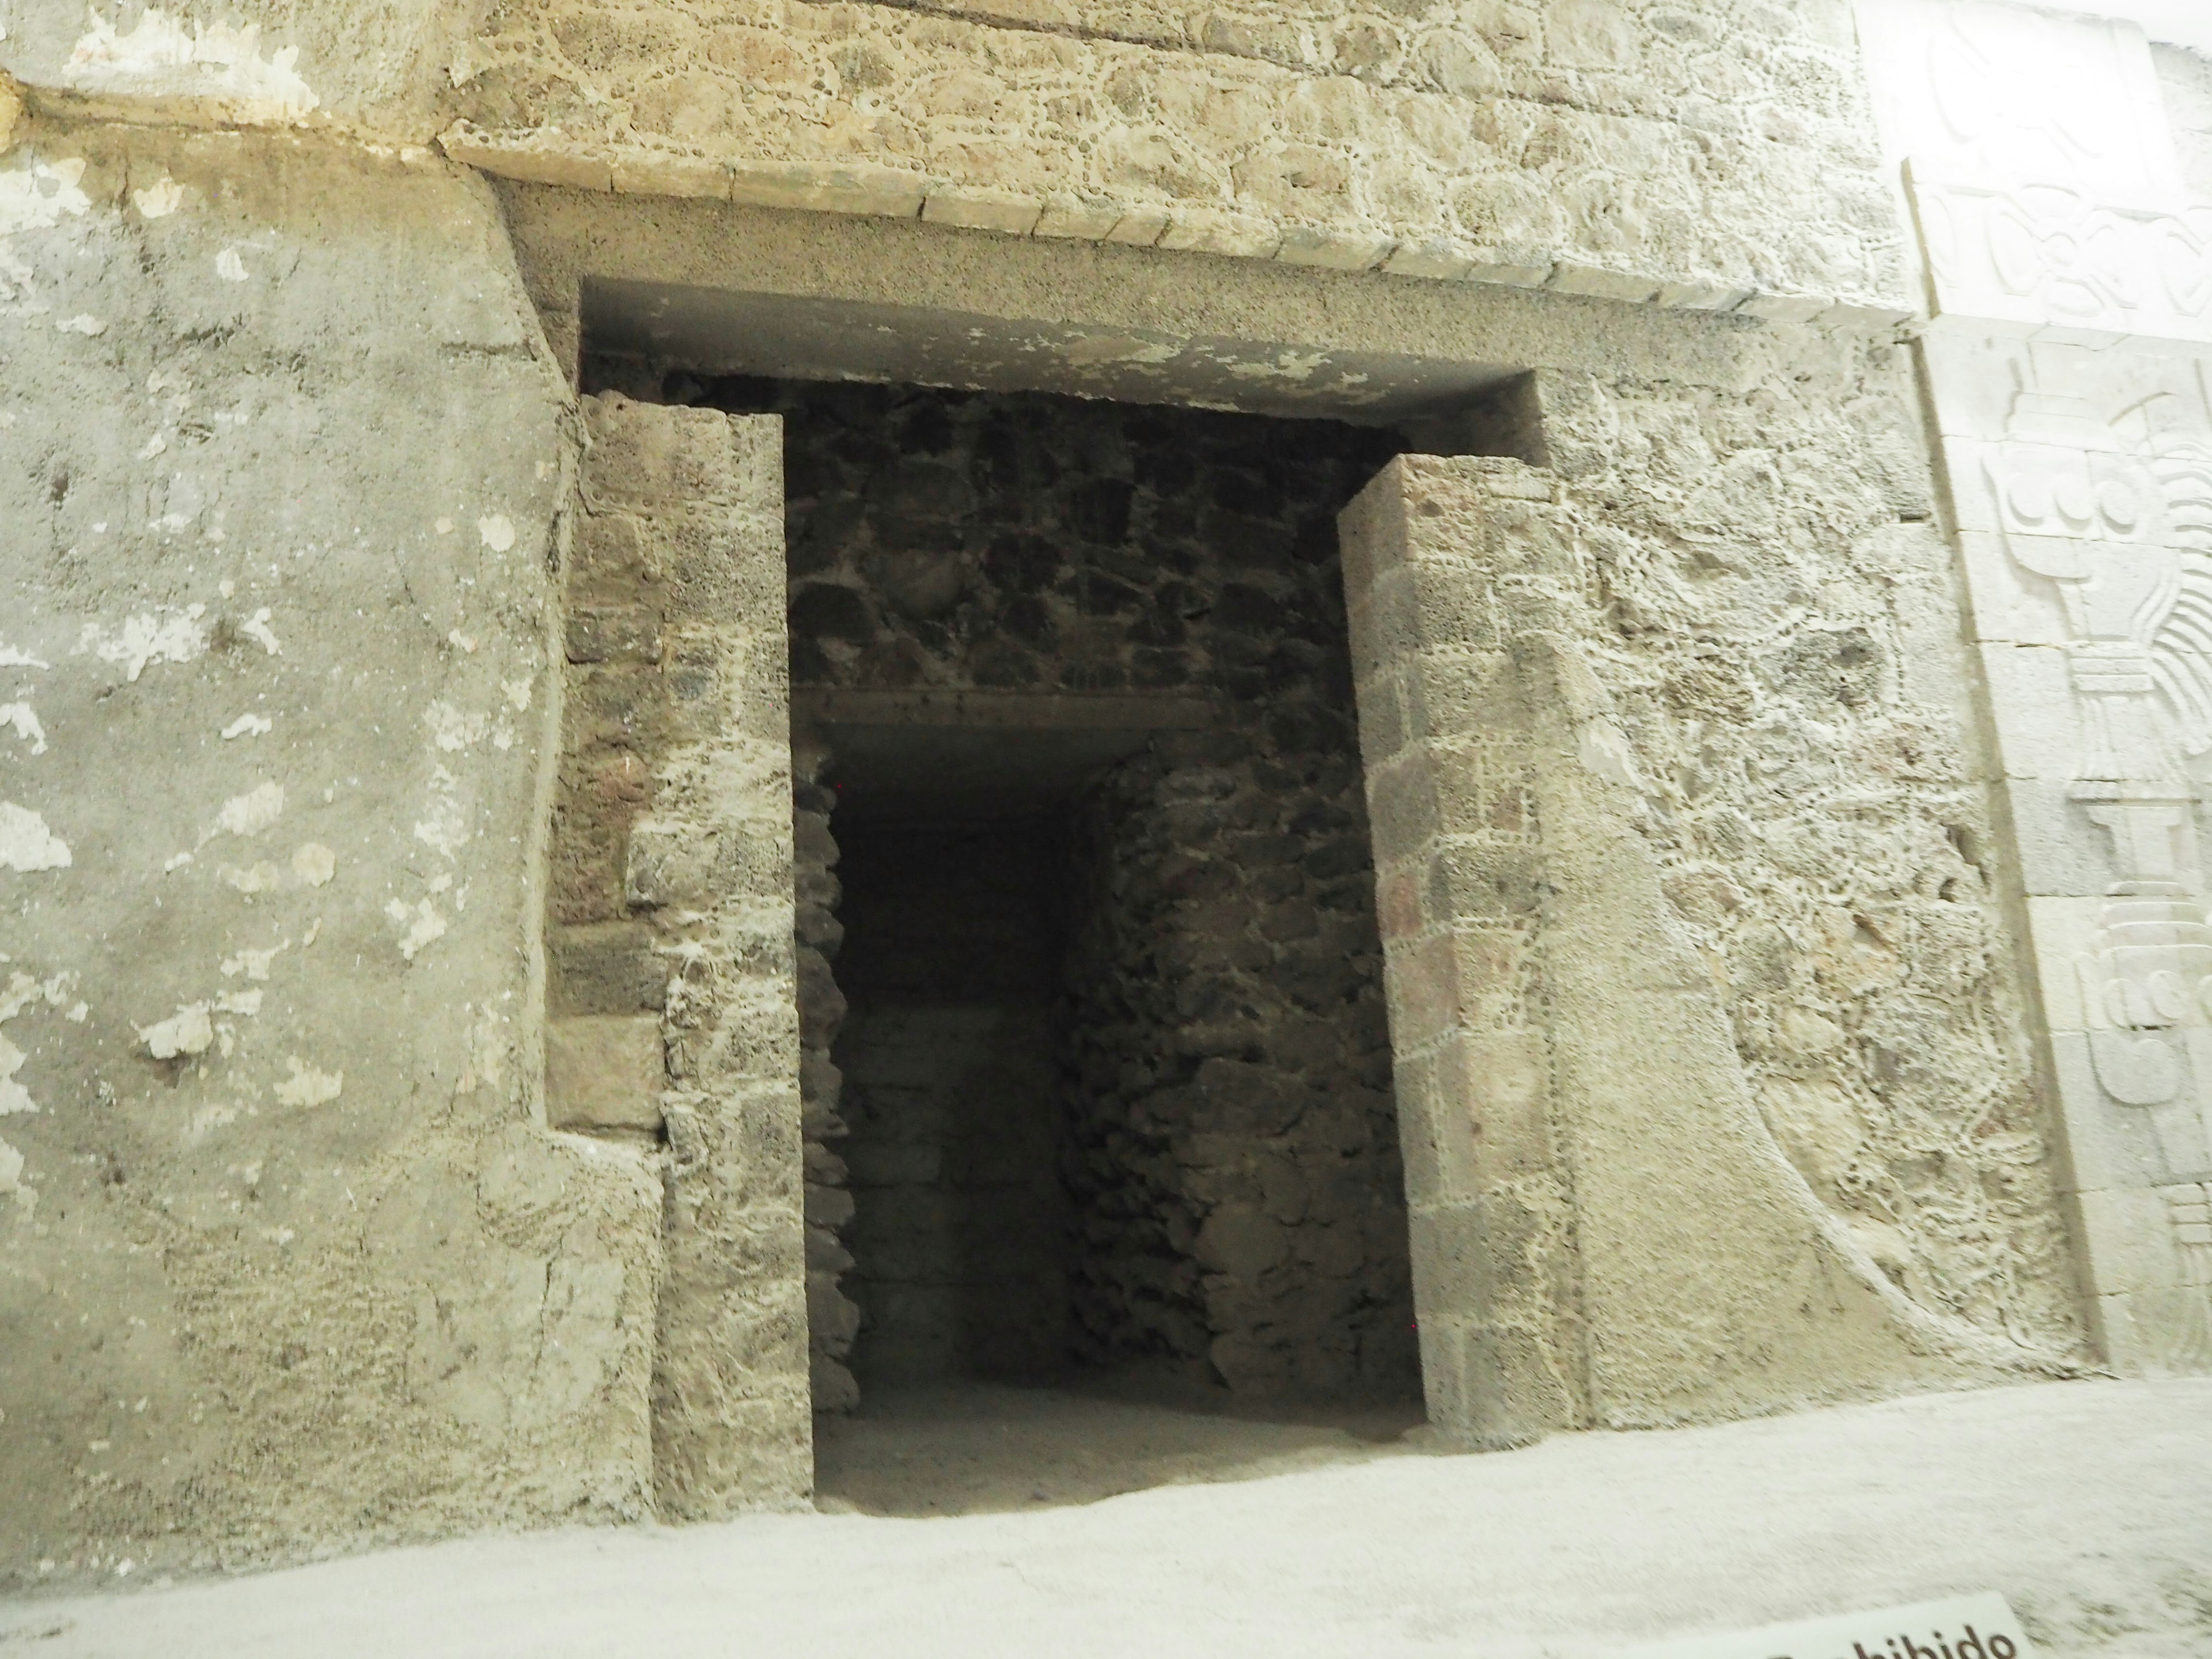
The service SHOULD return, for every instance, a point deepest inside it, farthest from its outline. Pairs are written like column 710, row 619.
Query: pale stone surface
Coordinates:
column 321, row 1275
column 2072, row 275
column 1571, row 1270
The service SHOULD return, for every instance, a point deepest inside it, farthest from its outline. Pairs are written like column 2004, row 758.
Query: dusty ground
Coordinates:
column 2089, row 1504
column 970, row 1450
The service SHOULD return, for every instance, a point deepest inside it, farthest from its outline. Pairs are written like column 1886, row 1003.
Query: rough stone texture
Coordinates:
column 1802, row 704
column 1032, row 544
column 673, row 821
column 1695, row 155
column 832, row 1319
column 1232, row 1166
column 286, row 1255
column 1235, row 1162
column 1577, row 1209
column 1698, row 156
column 952, row 1087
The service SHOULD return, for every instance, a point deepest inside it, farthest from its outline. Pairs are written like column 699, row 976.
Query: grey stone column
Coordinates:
column 1451, row 806
column 683, row 541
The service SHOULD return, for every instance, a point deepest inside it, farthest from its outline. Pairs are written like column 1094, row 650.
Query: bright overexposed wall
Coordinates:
column 2066, row 351
column 2171, row 23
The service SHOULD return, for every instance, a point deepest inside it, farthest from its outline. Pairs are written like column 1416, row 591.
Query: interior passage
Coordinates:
column 955, row 1145
column 1103, row 1094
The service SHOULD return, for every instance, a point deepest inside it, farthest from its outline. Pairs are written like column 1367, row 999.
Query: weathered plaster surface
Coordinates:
column 386, row 71
column 283, row 1256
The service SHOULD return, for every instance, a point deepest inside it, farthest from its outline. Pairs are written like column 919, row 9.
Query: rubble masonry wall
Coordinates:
column 1234, row 1167
column 952, row 1069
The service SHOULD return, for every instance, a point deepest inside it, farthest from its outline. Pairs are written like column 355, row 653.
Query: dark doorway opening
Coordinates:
column 1103, row 1150
column 961, row 1236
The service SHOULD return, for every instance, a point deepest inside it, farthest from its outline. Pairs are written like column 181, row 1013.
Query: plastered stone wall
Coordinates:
column 2067, row 251
column 200, row 330
column 286, row 1254
column 1582, row 1217
column 381, row 72
column 676, row 1009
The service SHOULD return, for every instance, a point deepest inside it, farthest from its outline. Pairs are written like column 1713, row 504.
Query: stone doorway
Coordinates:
column 1097, row 1065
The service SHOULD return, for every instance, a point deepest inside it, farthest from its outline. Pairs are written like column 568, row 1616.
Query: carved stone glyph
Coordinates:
column 1988, row 90
column 2115, row 515
column 2049, row 254
column 2121, row 527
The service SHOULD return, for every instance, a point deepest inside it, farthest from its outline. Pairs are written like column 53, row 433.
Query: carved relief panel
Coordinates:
column 2045, row 255
column 2122, row 531
column 2070, row 294
column 2082, row 487
column 1977, row 88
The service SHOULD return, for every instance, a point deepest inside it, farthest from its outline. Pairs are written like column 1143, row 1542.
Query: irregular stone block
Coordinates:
column 540, row 160
column 1784, row 307
column 1602, row 282
column 605, row 1073
column 1009, row 212
column 658, row 173
column 1333, row 249
column 611, row 632
column 608, row 969
column 1079, row 218
column 858, row 187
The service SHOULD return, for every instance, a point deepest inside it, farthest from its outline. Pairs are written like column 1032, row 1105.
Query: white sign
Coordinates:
column 1958, row 1627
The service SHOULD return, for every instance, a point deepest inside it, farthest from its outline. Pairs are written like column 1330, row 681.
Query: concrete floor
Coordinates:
column 2089, row 1504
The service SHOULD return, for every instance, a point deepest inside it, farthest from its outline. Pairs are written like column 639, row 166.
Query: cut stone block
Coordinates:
column 605, row 1073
